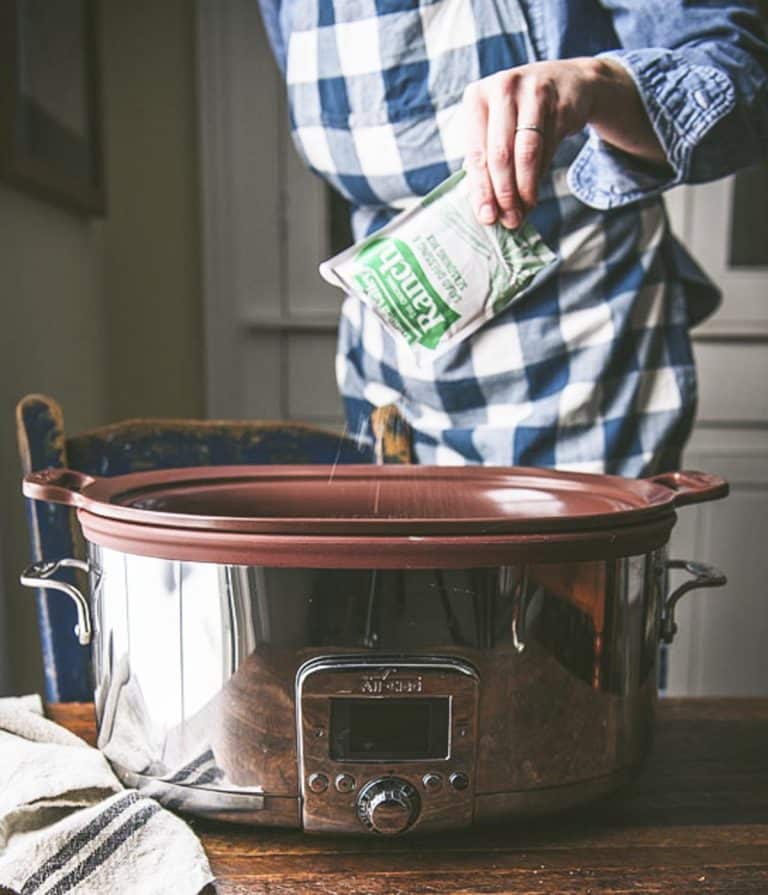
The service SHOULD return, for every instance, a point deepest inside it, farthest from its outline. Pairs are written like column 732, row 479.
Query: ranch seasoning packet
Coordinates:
column 434, row 274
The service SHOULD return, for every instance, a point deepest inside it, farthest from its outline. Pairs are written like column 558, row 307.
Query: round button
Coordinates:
column 432, row 782
column 388, row 805
column 459, row 780
column 345, row 783
column 318, row 782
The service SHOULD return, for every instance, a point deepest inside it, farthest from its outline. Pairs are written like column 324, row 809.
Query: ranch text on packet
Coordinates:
column 434, row 274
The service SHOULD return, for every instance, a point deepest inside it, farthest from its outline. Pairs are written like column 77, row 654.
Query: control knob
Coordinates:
column 388, row 805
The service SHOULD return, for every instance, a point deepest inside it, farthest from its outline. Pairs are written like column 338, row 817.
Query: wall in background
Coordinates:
column 270, row 319
column 51, row 340
column 105, row 316
column 151, row 232
column 5, row 667
column 720, row 649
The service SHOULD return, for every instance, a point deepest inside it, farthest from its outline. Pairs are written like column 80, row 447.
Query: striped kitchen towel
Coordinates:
column 68, row 825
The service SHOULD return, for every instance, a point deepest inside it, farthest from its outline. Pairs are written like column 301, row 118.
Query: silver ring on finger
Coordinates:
column 530, row 127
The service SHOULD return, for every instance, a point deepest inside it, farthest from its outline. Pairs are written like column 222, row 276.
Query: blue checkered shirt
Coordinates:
column 590, row 369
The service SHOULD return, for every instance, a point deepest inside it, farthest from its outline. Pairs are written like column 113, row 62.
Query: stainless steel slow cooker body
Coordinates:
column 381, row 700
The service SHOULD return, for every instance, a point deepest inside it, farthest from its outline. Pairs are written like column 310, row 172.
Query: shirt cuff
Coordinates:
column 683, row 101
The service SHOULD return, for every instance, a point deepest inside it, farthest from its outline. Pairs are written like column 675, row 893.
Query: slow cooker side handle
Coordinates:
column 39, row 575
column 703, row 576
column 691, row 486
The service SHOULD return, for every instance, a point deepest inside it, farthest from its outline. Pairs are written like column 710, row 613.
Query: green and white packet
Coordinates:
column 434, row 274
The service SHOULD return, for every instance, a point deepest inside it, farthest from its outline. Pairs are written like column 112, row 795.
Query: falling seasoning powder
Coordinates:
column 434, row 274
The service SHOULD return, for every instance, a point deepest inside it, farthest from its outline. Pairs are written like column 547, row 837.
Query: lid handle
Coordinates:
column 691, row 486
column 57, row 486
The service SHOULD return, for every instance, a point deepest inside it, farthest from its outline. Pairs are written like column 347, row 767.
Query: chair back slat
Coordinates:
column 136, row 445
column 392, row 436
column 42, row 444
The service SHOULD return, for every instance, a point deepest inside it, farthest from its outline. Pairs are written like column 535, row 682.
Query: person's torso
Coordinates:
column 375, row 87
column 375, row 92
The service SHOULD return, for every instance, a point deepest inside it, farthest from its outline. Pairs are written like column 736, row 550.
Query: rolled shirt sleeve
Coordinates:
column 701, row 68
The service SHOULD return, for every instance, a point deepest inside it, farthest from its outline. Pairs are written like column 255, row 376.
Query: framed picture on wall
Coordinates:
column 50, row 142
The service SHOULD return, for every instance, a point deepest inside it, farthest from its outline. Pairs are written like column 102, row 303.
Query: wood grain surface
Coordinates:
column 695, row 823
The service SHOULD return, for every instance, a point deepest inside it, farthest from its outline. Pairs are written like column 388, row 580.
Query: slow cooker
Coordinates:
column 374, row 650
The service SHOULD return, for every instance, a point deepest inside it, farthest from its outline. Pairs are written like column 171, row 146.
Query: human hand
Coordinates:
column 516, row 119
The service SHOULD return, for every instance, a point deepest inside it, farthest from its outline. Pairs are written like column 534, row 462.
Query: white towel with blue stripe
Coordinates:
column 68, row 825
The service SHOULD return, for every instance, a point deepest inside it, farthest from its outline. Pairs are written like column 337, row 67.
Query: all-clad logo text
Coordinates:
column 387, row 682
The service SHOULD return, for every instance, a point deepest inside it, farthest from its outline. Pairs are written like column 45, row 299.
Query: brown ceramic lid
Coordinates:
column 371, row 500
column 446, row 551
column 375, row 517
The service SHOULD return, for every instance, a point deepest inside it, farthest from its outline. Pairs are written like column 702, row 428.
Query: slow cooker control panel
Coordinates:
column 387, row 746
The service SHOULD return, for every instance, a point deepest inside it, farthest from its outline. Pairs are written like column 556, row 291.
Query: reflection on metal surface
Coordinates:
column 196, row 665
column 545, row 800
column 216, row 804
column 520, row 598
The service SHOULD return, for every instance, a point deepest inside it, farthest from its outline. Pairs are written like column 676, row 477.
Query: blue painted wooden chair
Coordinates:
column 135, row 445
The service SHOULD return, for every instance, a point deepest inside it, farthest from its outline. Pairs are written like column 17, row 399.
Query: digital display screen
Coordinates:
column 412, row 728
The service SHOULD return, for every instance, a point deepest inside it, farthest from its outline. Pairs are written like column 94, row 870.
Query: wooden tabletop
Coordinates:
column 695, row 822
